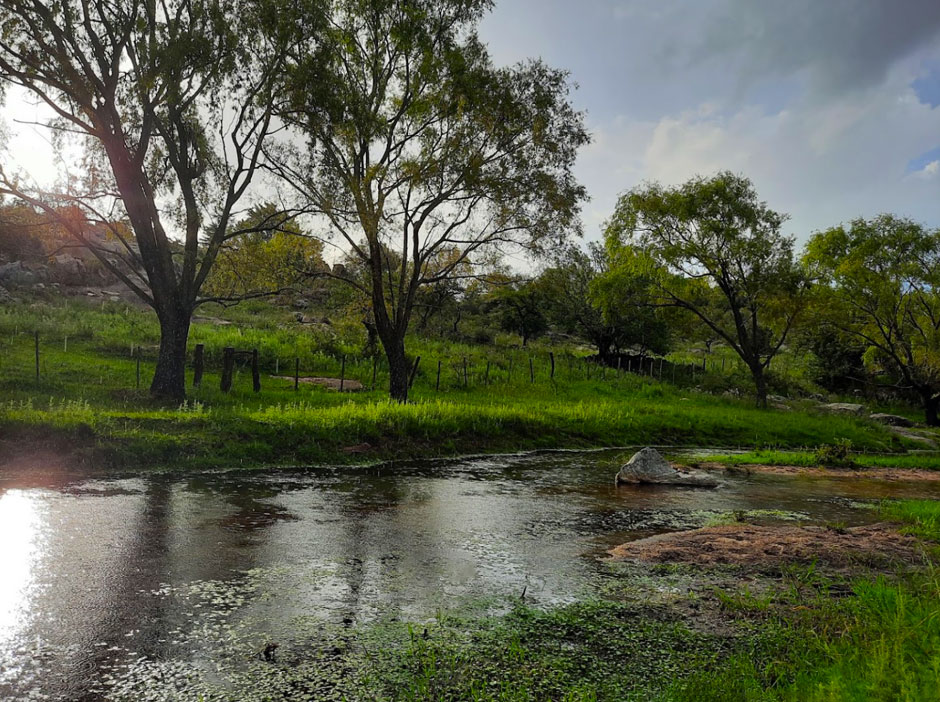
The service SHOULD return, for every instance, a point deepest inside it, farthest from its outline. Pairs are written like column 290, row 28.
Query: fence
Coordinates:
column 437, row 373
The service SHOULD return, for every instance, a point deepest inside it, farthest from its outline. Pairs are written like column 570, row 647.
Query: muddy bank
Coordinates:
column 746, row 544
column 896, row 474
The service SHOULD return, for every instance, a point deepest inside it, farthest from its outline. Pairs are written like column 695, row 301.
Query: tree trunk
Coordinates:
column 931, row 406
column 760, row 385
column 398, row 370
column 169, row 379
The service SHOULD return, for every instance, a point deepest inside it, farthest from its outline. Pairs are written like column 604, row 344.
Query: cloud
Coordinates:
column 838, row 45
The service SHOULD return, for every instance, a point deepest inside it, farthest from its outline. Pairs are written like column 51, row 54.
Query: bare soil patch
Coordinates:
column 328, row 383
column 747, row 544
column 899, row 474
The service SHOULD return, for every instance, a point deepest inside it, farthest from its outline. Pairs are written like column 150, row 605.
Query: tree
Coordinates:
column 720, row 255
column 416, row 143
column 520, row 306
column 882, row 278
column 173, row 101
column 273, row 255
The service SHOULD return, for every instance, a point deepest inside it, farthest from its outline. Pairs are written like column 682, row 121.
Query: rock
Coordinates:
column 844, row 408
column 649, row 467
column 779, row 399
column 892, row 420
column 68, row 270
column 5, row 295
column 16, row 274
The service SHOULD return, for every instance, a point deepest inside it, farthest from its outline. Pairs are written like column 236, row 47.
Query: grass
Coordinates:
column 879, row 644
column 87, row 397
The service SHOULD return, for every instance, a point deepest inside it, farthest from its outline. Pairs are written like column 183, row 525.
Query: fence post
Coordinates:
column 531, row 371
column 375, row 365
column 486, row 376
column 296, row 373
column 65, row 345
column 551, row 356
column 228, row 366
column 137, row 354
column 437, row 383
column 414, row 372
column 509, row 372
column 255, row 371
column 199, row 360
column 36, row 337
column 465, row 372
column 342, row 375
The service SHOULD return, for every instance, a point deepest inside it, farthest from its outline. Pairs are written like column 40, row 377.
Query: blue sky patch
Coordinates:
column 927, row 87
column 921, row 161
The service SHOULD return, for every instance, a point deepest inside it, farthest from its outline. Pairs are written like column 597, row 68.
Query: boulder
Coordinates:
column 844, row 408
column 892, row 420
column 68, row 270
column 649, row 467
column 5, row 295
column 16, row 274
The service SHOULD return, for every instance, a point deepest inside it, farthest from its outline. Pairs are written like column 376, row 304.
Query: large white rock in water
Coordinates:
column 649, row 467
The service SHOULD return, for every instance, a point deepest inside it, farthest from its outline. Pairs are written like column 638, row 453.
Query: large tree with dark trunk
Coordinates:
column 173, row 101
column 718, row 253
column 416, row 144
column 881, row 286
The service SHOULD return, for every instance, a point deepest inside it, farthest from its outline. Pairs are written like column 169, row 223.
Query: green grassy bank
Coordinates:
column 86, row 399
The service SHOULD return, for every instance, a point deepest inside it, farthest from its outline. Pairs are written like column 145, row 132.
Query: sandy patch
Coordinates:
column 747, row 544
column 898, row 474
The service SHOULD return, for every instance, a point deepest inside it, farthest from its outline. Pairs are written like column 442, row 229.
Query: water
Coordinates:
column 103, row 580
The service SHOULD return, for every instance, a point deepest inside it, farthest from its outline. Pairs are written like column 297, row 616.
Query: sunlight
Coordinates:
column 20, row 520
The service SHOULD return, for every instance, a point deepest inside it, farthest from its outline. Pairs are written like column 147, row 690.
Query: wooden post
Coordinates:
column 660, row 368
column 255, row 371
column 486, row 376
column 138, row 367
column 296, row 373
column 36, row 337
column 551, row 356
column 342, row 375
column 414, row 372
column 509, row 372
column 673, row 373
column 531, row 371
column 199, row 361
column 437, row 383
column 277, row 366
column 375, row 366
column 65, row 345
column 228, row 367
column 465, row 371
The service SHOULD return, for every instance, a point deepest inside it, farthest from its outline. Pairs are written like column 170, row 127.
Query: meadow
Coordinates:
column 95, row 360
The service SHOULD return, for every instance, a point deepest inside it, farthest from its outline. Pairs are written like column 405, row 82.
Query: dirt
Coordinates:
column 328, row 383
column 747, row 544
column 895, row 474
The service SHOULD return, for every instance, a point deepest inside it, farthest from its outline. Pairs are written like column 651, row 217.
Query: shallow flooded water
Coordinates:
column 108, row 582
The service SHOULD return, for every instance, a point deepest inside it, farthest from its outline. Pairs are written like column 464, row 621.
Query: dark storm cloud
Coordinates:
column 839, row 45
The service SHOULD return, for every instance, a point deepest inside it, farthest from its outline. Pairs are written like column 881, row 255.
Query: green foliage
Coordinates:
column 835, row 454
column 881, row 281
column 719, row 254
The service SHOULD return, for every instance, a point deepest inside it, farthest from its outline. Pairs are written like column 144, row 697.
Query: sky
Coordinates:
column 831, row 107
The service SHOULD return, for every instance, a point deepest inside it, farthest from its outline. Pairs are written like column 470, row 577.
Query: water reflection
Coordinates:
column 20, row 549
column 103, row 577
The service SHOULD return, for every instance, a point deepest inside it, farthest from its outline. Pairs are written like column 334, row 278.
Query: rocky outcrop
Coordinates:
column 892, row 420
column 17, row 274
column 844, row 408
column 648, row 467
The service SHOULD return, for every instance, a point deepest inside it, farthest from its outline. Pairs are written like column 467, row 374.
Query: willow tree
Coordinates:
column 415, row 143
column 173, row 101
column 719, row 254
column 881, row 286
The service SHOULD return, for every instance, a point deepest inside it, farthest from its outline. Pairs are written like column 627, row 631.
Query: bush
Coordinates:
column 837, row 454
